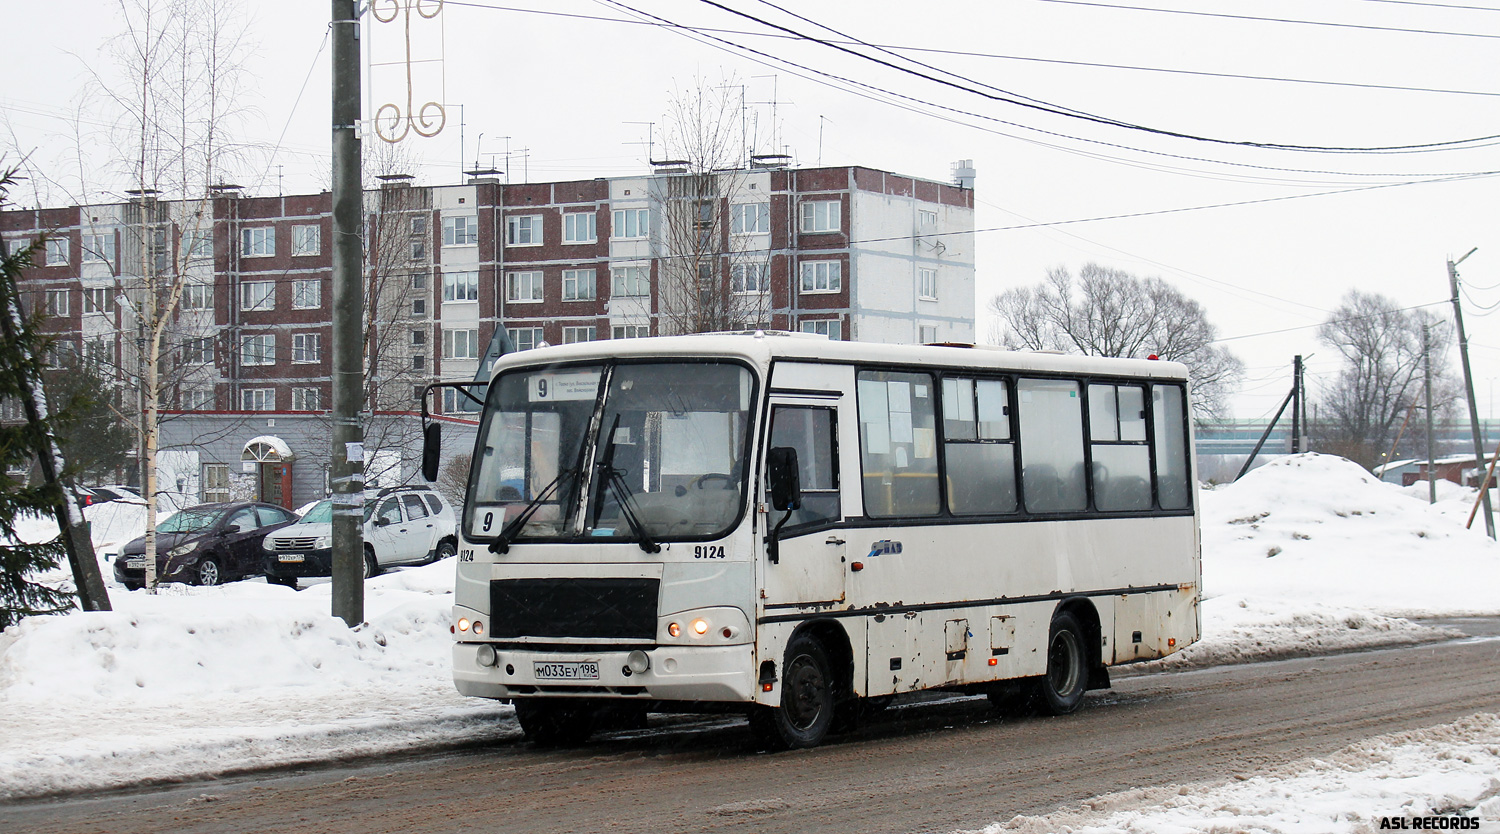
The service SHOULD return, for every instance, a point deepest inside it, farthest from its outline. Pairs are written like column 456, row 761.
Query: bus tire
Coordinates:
column 807, row 699
column 549, row 723
column 1060, row 691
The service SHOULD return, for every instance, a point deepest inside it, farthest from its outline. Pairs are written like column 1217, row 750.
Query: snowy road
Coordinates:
column 938, row 766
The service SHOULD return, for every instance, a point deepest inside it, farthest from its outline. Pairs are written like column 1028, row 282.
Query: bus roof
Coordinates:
column 762, row 347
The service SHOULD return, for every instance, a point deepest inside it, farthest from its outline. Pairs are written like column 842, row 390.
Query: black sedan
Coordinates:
column 205, row 545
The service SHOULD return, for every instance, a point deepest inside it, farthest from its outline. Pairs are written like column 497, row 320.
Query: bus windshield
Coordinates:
column 638, row 451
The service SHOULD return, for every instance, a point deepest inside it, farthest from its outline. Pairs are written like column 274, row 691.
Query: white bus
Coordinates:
column 798, row 528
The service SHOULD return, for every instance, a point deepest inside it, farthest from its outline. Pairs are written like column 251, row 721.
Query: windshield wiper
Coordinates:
column 615, row 480
column 509, row 532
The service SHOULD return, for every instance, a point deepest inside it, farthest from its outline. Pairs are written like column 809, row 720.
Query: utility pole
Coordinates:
column 1463, row 353
column 1297, row 405
column 1427, row 372
column 346, row 461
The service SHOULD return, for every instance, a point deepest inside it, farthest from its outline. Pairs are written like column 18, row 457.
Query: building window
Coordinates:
column 307, row 399
column 307, row 347
column 631, row 281
column 524, row 230
column 258, row 399
column 927, row 334
column 523, row 286
column 578, row 285
column 61, row 351
column 307, row 295
column 927, row 284
column 258, row 295
column 198, row 351
column 197, row 243
column 926, row 219
column 577, row 334
column 630, row 331
column 822, row 276
column 460, row 286
column 419, row 307
column 820, row 216
column 579, row 227
column 100, row 351
column 197, row 297
column 198, row 399
column 823, row 327
column 99, row 248
column 526, row 338
column 307, row 240
column 258, row 350
column 460, row 344
column 419, row 225
column 750, row 219
column 462, row 230
column 418, row 362
column 419, row 337
column 419, row 250
column 98, row 300
column 419, row 280
column 749, row 278
column 57, row 251
column 258, row 242
column 215, row 483
column 56, row 303
column 632, row 223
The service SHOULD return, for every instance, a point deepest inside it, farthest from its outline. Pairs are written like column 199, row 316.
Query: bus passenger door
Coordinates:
column 811, row 559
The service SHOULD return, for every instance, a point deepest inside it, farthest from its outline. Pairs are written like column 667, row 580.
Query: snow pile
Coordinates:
column 199, row 681
column 1306, row 555
column 1450, row 768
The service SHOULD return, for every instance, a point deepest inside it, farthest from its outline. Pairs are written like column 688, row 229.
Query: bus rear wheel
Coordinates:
column 1060, row 691
column 549, row 723
column 807, row 703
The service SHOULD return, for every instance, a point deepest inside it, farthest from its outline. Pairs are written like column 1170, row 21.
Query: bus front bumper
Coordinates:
column 676, row 673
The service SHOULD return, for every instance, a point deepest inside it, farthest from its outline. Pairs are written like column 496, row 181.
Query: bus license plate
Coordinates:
column 289, row 557
column 579, row 670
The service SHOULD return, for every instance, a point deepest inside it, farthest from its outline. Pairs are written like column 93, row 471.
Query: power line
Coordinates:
column 1059, row 110
column 1297, row 21
column 1331, row 321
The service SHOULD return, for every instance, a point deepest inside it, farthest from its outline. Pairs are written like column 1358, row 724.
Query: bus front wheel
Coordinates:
column 806, row 711
column 549, row 723
column 1060, row 691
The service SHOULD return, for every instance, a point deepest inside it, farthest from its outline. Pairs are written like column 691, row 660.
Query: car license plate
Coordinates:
column 574, row 670
column 289, row 557
column 136, row 563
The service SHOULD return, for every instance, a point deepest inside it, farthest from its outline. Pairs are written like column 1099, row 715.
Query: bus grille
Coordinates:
column 574, row 607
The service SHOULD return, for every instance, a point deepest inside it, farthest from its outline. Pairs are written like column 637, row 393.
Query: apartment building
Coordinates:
column 455, row 275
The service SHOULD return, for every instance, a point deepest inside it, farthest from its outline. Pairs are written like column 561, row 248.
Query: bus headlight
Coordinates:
column 463, row 623
column 710, row 626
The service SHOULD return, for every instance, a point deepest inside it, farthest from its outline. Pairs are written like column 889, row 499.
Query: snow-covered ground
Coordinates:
column 1308, row 554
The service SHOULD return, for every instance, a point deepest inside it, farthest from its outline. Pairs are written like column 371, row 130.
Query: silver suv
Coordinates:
column 406, row 525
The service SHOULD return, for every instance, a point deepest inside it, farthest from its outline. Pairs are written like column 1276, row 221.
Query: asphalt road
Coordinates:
column 937, row 765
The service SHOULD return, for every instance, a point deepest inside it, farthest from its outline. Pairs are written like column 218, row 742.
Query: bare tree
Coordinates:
column 1382, row 376
column 183, row 60
column 709, row 279
column 1109, row 312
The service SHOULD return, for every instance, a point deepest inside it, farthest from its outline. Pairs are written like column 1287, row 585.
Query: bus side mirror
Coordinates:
column 432, row 445
column 785, row 478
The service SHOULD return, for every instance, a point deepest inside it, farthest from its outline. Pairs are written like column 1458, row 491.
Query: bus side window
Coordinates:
column 812, row 432
column 898, row 444
column 1051, row 446
column 978, row 449
column 1167, row 412
column 1121, row 458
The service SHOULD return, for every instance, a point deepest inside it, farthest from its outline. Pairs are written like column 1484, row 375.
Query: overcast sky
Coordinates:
column 1267, row 239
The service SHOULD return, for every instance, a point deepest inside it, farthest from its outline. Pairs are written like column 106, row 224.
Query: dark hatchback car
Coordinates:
column 205, row 545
